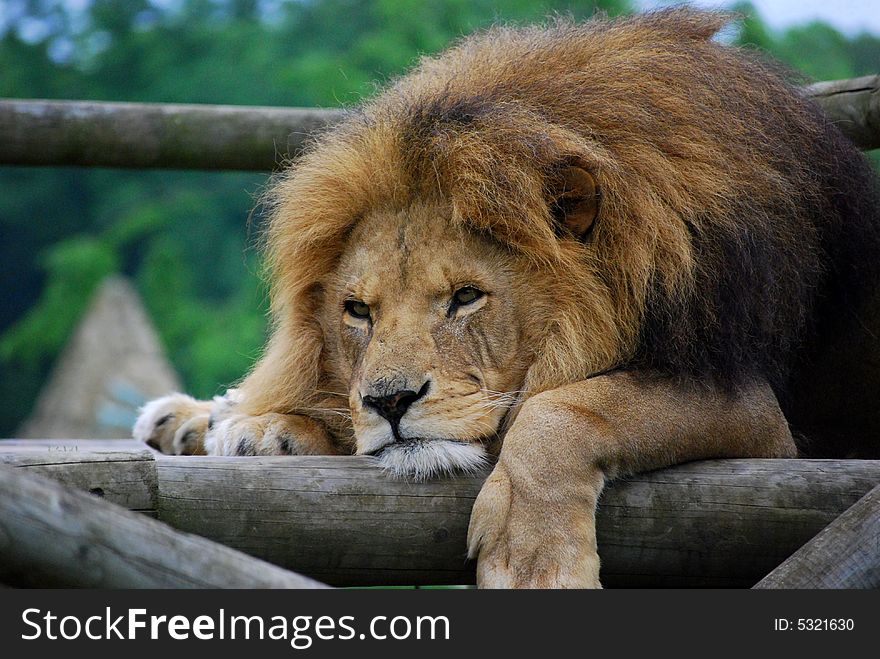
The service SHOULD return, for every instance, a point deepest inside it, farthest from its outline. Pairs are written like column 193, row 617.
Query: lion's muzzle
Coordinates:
column 392, row 406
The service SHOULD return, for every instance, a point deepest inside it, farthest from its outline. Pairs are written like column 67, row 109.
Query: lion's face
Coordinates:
column 426, row 322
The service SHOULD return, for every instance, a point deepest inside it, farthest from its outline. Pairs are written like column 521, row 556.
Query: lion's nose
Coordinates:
column 393, row 406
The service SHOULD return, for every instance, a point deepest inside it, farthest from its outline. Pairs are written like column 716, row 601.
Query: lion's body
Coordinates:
column 734, row 256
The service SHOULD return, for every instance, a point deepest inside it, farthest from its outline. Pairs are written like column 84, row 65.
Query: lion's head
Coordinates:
column 433, row 325
column 430, row 326
column 530, row 208
column 426, row 319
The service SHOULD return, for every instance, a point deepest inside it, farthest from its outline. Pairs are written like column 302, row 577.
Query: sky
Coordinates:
column 849, row 16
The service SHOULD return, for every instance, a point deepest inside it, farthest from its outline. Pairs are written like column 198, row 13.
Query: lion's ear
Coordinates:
column 574, row 200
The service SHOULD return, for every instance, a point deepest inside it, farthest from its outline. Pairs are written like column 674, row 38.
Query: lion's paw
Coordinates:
column 522, row 542
column 267, row 434
column 174, row 424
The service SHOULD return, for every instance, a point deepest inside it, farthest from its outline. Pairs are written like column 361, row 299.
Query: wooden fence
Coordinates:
column 138, row 135
column 341, row 521
column 141, row 519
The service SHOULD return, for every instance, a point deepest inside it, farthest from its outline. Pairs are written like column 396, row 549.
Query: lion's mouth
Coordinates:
column 422, row 459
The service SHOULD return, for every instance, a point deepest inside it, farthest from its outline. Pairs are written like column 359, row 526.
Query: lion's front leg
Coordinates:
column 533, row 524
column 527, row 538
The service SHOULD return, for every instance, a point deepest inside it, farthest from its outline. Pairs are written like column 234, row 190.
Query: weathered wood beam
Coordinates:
column 148, row 135
column 51, row 535
column 224, row 137
column 854, row 106
column 342, row 521
column 846, row 554
column 118, row 471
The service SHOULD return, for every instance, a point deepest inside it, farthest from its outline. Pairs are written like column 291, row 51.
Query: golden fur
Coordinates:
column 722, row 222
column 676, row 166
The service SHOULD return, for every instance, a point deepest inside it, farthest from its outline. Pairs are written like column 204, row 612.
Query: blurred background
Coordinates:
column 183, row 241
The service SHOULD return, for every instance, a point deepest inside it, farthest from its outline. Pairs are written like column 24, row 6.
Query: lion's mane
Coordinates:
column 723, row 198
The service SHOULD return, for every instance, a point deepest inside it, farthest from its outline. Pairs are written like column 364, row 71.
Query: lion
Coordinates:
column 567, row 253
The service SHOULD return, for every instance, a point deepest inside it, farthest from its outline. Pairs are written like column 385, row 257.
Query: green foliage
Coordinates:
column 815, row 50
column 183, row 236
column 74, row 267
column 752, row 31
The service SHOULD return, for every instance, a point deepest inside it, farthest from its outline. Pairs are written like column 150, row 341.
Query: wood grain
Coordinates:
column 154, row 135
column 853, row 105
column 846, row 554
column 51, row 535
column 122, row 472
column 342, row 521
column 224, row 137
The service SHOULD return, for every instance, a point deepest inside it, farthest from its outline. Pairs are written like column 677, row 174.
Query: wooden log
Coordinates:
column 122, row 472
column 722, row 523
column 146, row 135
column 341, row 520
column 854, row 106
column 846, row 554
column 224, row 137
column 53, row 536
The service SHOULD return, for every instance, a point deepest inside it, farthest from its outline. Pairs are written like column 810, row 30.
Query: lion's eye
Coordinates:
column 357, row 309
column 466, row 295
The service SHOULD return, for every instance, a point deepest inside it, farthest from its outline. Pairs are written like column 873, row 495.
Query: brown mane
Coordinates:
column 716, row 218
